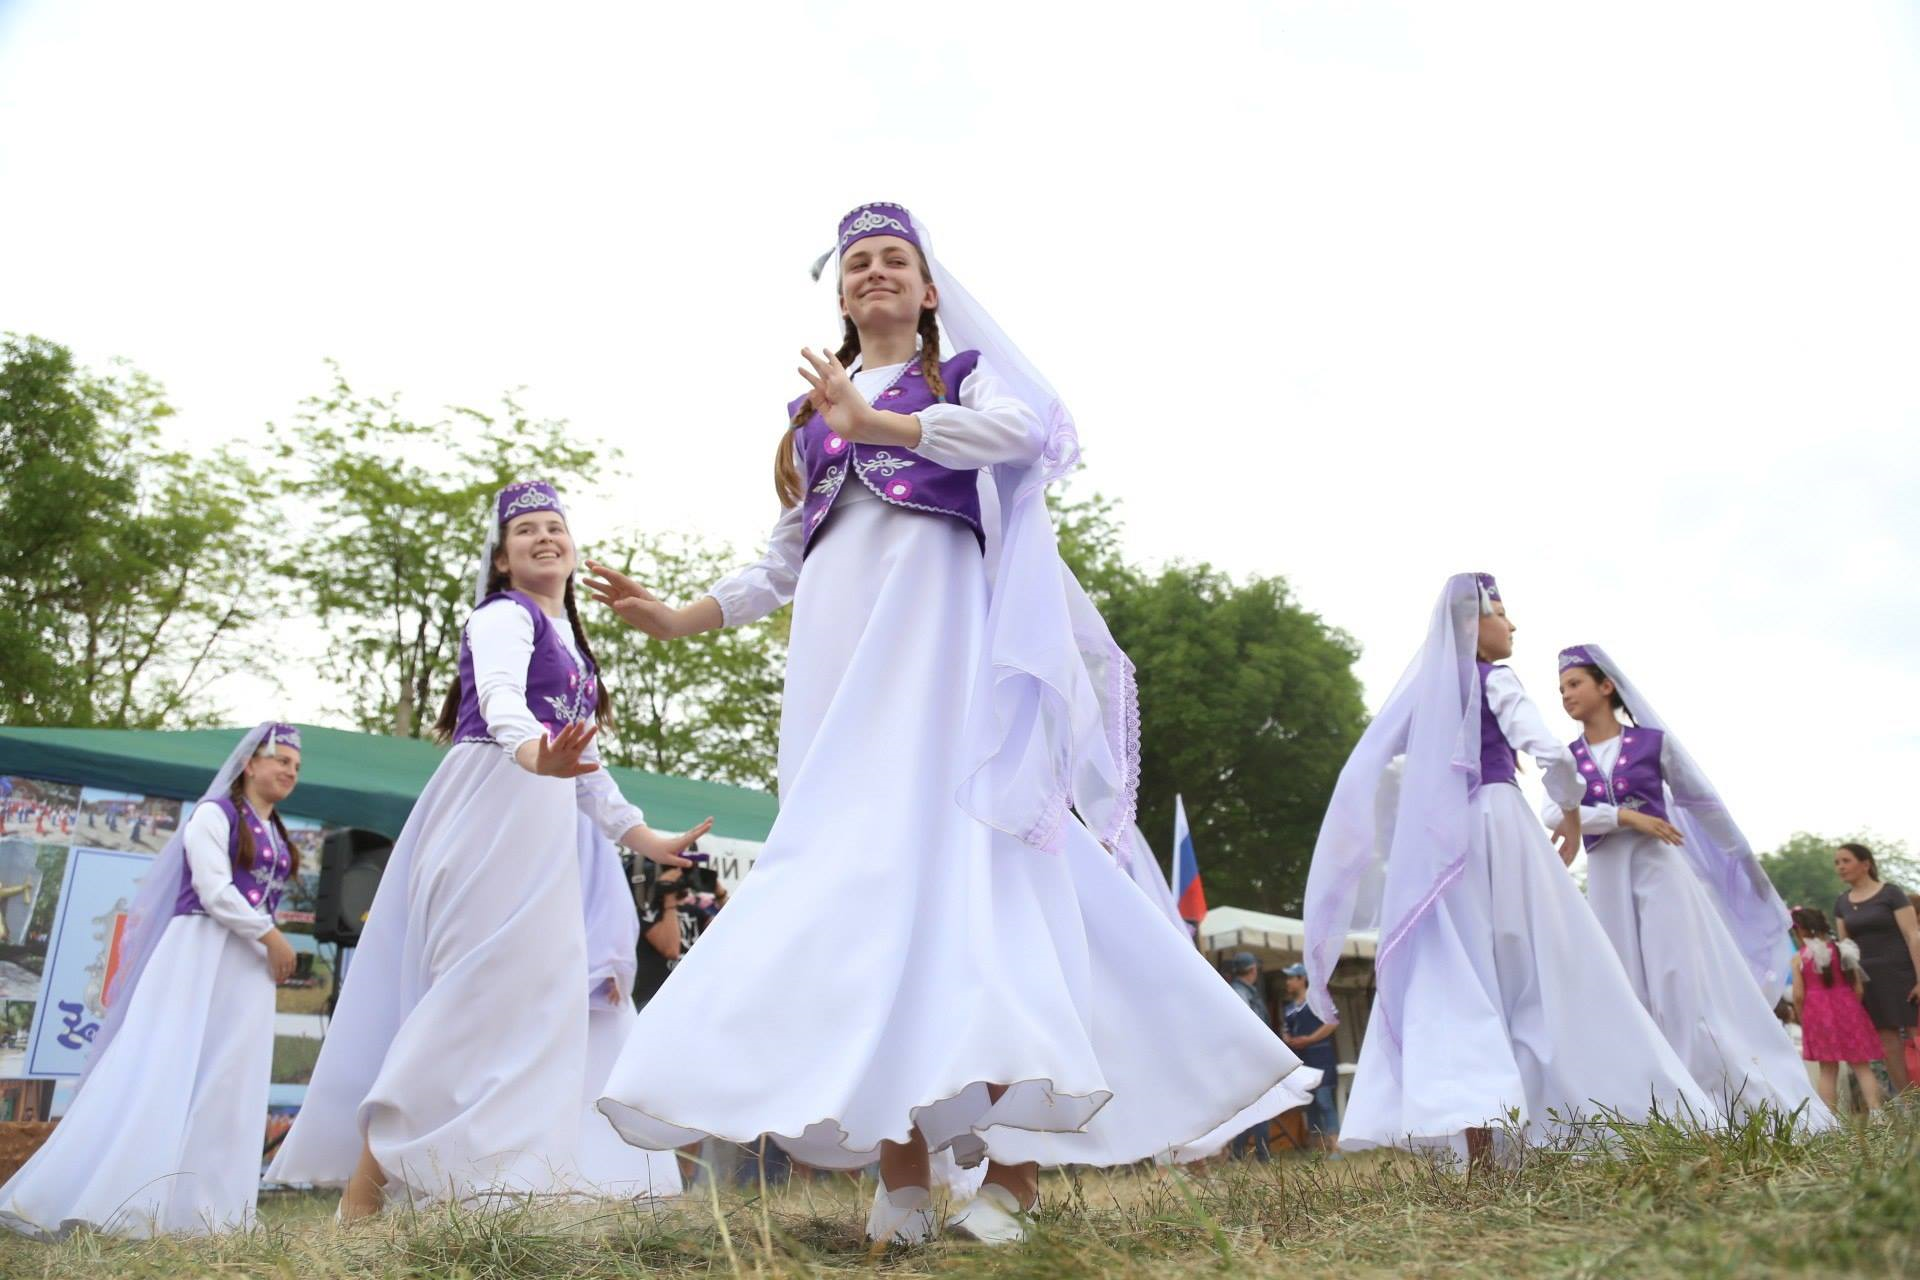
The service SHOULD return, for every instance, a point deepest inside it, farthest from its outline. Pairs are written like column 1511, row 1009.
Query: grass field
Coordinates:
column 1661, row 1201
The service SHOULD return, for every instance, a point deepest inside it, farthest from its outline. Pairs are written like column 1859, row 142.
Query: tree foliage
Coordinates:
column 396, row 511
column 1248, row 705
column 706, row 707
column 128, row 569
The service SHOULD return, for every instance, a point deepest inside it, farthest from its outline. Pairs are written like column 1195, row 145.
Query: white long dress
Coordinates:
column 458, row 1051
column 1515, row 1005
column 167, row 1134
column 889, row 957
column 608, row 1166
column 1682, row 962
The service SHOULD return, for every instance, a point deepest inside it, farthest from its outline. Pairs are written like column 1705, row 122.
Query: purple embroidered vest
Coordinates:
column 559, row 692
column 1498, row 763
column 897, row 475
column 1637, row 781
column 260, row 884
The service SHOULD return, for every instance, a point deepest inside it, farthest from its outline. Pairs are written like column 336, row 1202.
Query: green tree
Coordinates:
column 127, row 567
column 398, row 509
column 706, row 707
column 1802, row 867
column 1248, row 707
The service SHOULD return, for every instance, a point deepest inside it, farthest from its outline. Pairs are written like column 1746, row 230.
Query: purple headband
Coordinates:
column 519, row 498
column 279, row 735
column 1576, row 656
column 877, row 220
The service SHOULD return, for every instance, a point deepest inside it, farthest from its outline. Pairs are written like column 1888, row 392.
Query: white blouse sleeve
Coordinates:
column 768, row 583
column 1520, row 721
column 988, row 426
column 1595, row 819
column 207, row 836
column 501, row 636
column 598, row 796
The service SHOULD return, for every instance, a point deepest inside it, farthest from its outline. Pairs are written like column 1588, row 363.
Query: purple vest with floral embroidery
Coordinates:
column 263, row 882
column 559, row 693
column 1498, row 763
column 897, row 475
column 1637, row 781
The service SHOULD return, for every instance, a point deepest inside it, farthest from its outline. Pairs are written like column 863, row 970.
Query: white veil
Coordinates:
column 1058, row 724
column 1396, row 831
column 1717, row 850
column 153, row 905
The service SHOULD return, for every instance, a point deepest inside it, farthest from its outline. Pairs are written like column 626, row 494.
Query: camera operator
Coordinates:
column 676, row 904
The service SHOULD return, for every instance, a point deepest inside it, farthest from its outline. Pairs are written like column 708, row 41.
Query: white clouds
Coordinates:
column 1617, row 302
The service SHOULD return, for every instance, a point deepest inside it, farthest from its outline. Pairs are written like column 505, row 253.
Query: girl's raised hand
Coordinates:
column 657, row 846
column 638, row 607
column 833, row 394
column 559, row 756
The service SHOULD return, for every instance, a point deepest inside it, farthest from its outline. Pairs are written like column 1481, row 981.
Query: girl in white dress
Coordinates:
column 1498, row 993
column 934, row 950
column 165, row 1132
column 456, row 1062
column 1699, row 928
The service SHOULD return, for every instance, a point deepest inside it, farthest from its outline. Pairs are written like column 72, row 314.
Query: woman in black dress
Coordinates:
column 1881, row 921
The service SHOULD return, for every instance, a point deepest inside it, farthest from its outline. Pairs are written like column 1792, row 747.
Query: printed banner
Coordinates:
column 83, row 950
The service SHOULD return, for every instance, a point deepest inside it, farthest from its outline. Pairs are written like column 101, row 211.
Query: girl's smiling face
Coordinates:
column 1582, row 695
column 884, row 282
column 536, row 550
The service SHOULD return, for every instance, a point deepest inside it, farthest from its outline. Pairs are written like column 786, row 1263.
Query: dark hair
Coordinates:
column 498, row 580
column 1863, row 854
column 244, row 854
column 1812, row 924
column 787, row 481
column 1618, row 703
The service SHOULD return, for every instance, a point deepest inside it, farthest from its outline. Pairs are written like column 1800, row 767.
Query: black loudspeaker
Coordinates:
column 351, row 863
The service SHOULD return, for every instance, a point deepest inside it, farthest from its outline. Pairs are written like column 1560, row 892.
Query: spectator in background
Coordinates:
column 1879, row 919
column 1312, row 1040
column 1243, row 973
column 1834, row 1027
column 668, row 927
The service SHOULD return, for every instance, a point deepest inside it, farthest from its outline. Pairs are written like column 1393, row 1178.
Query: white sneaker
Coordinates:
column 900, row 1217
column 992, row 1217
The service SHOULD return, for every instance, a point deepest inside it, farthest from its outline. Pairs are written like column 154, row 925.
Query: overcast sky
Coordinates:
column 1620, row 302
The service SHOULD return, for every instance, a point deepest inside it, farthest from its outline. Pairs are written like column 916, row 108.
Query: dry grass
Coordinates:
column 1656, row 1199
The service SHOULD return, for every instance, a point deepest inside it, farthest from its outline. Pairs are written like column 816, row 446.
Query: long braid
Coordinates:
column 243, row 851
column 603, row 705
column 930, row 355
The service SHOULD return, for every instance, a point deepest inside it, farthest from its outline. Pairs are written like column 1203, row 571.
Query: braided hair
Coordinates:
column 787, row 481
column 1812, row 924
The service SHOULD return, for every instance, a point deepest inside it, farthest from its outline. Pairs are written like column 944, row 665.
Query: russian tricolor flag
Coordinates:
column 1187, row 891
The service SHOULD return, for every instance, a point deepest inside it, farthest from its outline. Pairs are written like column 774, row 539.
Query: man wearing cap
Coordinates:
column 1243, row 974
column 1312, row 1039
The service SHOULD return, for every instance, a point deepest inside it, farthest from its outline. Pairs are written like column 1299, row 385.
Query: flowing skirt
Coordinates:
column 167, row 1134
column 607, row 1164
column 1685, row 968
column 1516, row 1008
column 458, row 1051
column 890, row 958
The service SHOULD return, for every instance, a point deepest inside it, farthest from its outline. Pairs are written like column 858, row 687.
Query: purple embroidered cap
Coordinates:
column 522, row 496
column 1488, row 587
column 1576, row 656
column 279, row 735
column 880, row 219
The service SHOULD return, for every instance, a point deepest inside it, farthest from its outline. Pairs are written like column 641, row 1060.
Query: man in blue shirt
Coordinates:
column 1312, row 1040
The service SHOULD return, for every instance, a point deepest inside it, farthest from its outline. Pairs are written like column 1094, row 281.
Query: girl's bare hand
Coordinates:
column 658, row 846
column 559, row 756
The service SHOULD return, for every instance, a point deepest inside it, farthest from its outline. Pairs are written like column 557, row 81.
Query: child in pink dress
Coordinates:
column 1834, row 1026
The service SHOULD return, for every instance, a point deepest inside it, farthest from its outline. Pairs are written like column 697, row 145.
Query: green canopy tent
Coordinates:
column 347, row 779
